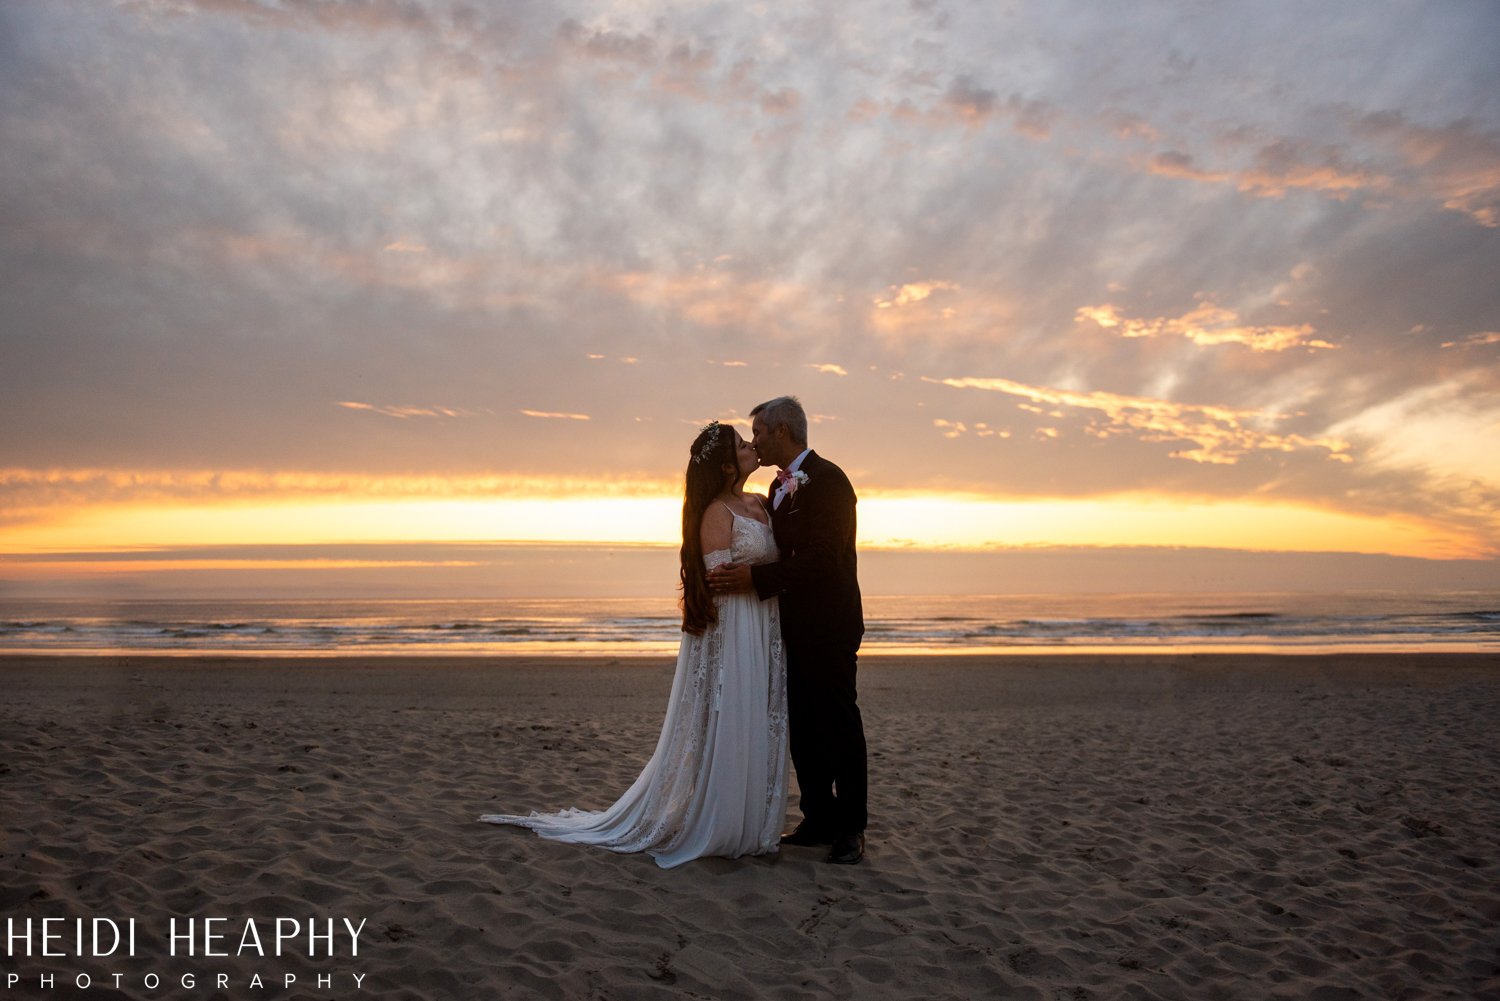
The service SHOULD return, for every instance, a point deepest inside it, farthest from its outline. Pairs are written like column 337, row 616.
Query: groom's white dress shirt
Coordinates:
column 781, row 487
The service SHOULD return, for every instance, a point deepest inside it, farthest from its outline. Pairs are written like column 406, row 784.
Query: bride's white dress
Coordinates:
column 717, row 783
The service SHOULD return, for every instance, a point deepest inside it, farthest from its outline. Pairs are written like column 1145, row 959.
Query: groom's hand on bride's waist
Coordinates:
column 730, row 578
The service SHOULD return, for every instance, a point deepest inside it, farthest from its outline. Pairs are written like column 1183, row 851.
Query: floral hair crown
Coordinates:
column 712, row 429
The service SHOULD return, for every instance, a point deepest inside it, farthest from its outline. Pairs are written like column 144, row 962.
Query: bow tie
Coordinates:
column 783, row 477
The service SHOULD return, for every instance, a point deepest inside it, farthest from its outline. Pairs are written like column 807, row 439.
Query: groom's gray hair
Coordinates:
column 785, row 411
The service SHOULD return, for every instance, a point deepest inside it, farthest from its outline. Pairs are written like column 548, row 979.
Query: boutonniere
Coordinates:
column 791, row 481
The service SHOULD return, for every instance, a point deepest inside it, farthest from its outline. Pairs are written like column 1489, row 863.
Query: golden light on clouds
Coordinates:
column 556, row 416
column 905, row 295
column 915, row 308
column 1457, row 445
column 957, row 429
column 1208, row 325
column 1482, row 339
column 1220, row 435
column 1276, row 170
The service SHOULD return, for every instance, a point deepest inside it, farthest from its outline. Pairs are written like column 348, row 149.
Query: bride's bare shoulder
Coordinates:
column 716, row 529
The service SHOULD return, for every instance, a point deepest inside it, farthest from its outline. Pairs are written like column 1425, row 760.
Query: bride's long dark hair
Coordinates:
column 713, row 449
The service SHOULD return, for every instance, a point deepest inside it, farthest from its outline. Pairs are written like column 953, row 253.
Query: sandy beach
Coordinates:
column 1216, row 826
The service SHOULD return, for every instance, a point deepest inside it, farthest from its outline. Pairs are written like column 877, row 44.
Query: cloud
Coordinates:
column 551, row 416
column 1457, row 164
column 782, row 102
column 1483, row 339
column 970, row 103
column 829, row 369
column 1376, row 155
column 957, row 429
column 932, row 307
column 1436, row 445
column 1287, row 164
column 609, row 44
column 1278, row 168
column 973, row 106
column 1173, row 163
column 1219, row 435
column 1207, row 325
column 403, row 412
column 329, row 15
column 913, row 292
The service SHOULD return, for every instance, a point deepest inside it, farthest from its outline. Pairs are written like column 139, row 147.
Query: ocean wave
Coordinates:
column 967, row 622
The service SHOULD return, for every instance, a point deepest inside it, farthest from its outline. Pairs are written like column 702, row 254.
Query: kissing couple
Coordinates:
column 771, row 627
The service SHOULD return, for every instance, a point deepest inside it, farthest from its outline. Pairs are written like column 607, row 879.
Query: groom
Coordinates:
column 812, row 516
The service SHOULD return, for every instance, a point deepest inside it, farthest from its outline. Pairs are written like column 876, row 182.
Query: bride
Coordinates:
column 717, row 782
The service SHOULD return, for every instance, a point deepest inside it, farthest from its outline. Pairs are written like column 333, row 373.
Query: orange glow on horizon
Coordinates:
column 118, row 565
column 1148, row 520
column 887, row 521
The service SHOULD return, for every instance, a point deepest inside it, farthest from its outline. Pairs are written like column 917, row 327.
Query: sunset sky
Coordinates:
column 278, row 278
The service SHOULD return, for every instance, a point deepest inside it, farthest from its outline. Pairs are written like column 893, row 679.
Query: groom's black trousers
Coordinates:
column 827, row 736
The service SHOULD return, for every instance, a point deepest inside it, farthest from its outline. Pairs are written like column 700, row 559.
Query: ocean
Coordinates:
column 1369, row 621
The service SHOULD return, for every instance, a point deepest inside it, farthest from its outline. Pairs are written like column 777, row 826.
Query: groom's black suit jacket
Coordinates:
column 816, row 572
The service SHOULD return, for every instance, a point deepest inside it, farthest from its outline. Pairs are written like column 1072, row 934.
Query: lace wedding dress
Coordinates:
column 717, row 783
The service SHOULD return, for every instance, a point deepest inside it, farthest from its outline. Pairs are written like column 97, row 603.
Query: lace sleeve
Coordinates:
column 716, row 558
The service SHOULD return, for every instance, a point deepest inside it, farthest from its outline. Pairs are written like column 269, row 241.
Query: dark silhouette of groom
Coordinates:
column 822, row 622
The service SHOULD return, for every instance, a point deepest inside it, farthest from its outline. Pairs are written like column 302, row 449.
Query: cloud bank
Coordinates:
column 1054, row 249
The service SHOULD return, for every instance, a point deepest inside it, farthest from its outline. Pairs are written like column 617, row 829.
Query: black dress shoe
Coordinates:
column 847, row 849
column 806, row 835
